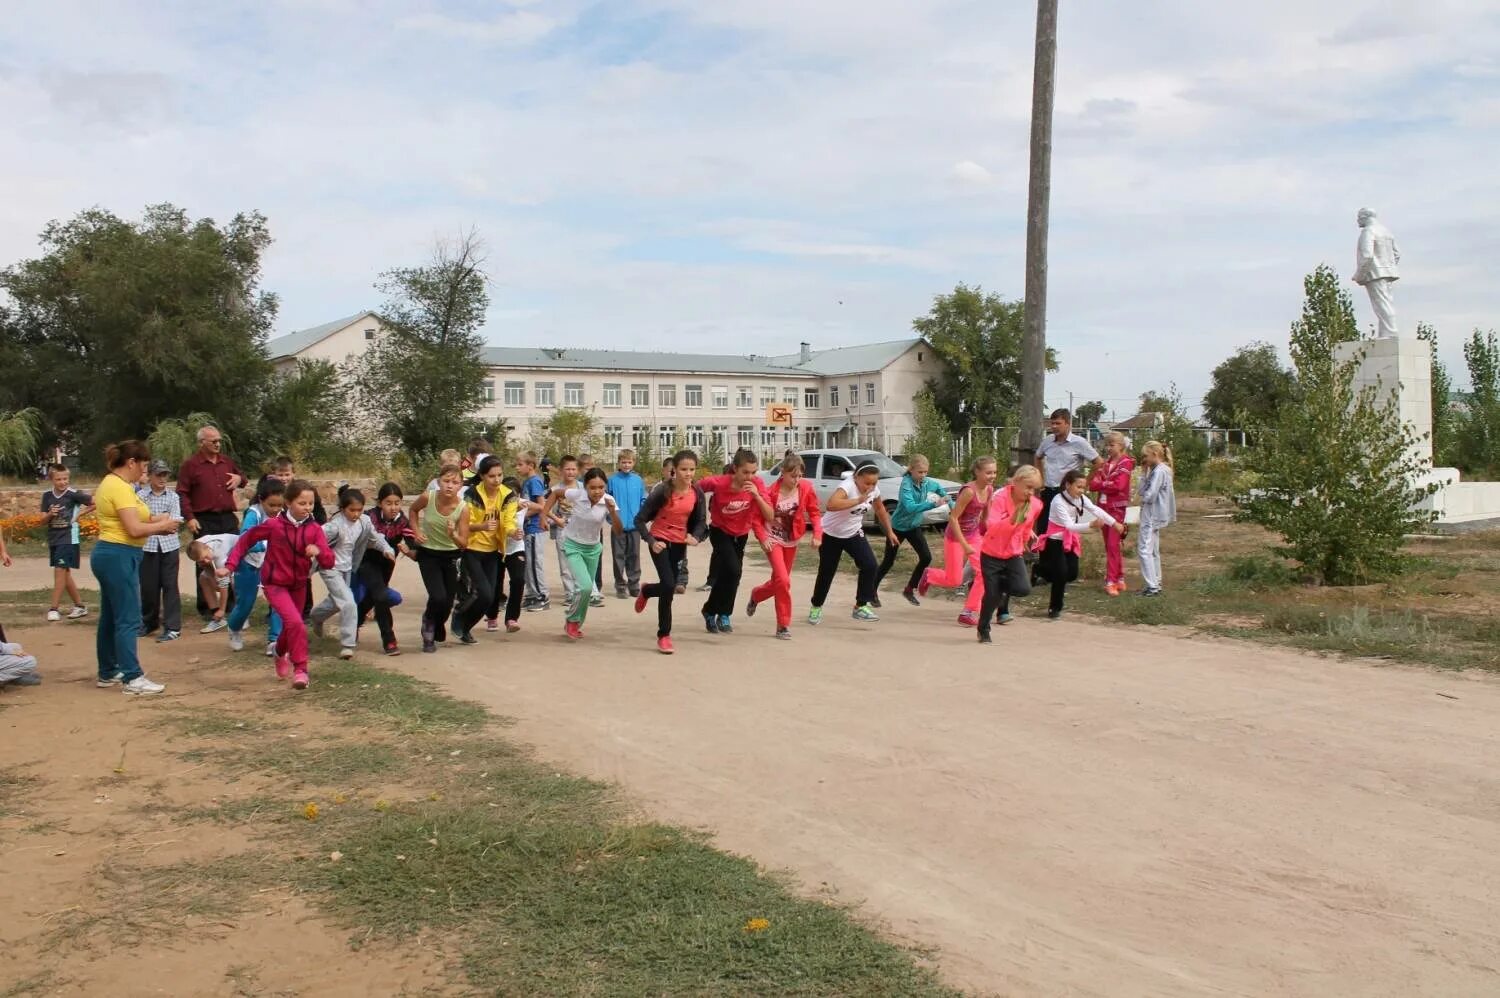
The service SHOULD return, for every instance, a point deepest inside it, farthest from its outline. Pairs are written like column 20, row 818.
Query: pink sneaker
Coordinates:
column 492, row 624
column 572, row 630
column 922, row 586
column 299, row 679
column 968, row 618
column 640, row 603
column 512, row 626
column 283, row 667
column 664, row 645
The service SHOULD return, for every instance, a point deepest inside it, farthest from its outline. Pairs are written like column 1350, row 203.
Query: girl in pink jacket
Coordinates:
column 1010, row 524
column 1111, row 482
column 794, row 506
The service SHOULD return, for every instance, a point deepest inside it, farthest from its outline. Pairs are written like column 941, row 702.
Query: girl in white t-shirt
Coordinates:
column 843, row 531
column 583, row 538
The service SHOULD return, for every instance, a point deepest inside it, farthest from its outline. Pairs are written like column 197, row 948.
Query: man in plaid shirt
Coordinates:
column 161, row 603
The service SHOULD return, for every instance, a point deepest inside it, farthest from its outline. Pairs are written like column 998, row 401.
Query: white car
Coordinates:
column 825, row 470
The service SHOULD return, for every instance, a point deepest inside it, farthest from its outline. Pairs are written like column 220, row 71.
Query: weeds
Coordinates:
column 373, row 695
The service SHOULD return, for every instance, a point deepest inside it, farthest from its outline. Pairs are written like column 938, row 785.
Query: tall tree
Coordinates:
column 1154, row 401
column 932, row 436
column 1445, row 422
column 1089, row 413
column 1479, row 445
column 120, row 324
column 423, row 379
column 1335, row 476
column 979, row 335
column 1251, row 383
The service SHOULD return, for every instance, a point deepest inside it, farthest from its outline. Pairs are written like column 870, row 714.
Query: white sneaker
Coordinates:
column 236, row 642
column 54, row 616
column 78, row 611
column 217, row 624
column 140, row 686
column 346, row 653
column 270, row 649
column 114, row 680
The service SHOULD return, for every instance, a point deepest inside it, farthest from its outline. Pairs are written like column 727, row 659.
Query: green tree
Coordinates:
column 566, row 431
column 20, row 440
column 173, row 439
column 121, row 324
column 933, row 436
column 1333, row 467
column 1177, row 431
column 1445, row 422
column 1479, row 446
column 424, row 377
column 713, row 458
column 1251, row 383
column 979, row 335
column 1157, row 402
column 1089, row 413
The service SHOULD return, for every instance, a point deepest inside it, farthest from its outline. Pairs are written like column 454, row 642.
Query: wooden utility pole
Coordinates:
column 1038, row 196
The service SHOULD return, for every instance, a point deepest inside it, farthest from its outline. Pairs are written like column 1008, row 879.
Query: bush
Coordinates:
column 1261, row 572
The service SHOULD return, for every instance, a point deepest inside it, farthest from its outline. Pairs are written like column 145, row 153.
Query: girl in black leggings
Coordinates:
column 673, row 518
column 843, row 530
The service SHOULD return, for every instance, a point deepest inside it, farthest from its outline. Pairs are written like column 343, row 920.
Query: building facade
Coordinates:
column 858, row 396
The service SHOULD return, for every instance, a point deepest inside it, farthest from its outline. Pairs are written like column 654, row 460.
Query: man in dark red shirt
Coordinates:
column 206, row 484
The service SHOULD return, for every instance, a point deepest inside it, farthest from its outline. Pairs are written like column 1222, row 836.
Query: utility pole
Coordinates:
column 1038, row 196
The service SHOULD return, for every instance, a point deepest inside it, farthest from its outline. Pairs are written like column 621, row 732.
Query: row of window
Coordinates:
column 668, row 438
column 544, row 394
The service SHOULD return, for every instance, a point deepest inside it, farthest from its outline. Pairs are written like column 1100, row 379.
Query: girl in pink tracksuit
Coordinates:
column 294, row 541
column 961, row 539
column 1073, row 514
column 1111, row 481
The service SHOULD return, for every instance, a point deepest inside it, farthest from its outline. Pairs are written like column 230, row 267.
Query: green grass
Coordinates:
column 310, row 764
column 204, row 722
column 365, row 693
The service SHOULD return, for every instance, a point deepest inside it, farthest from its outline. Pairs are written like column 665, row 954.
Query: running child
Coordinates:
column 284, row 470
column 483, row 557
column 629, row 491
column 1010, row 524
column 585, row 465
column 736, row 509
column 442, row 532
column 674, row 519
column 161, row 600
column 294, row 543
column 667, row 471
column 583, row 537
column 1158, row 511
column 375, row 570
column 1073, row 514
column 794, row 505
column 210, row 553
column 62, row 506
column 557, row 519
column 919, row 495
column 961, row 539
column 1111, row 480
column 515, row 558
column 349, row 534
column 270, row 500
column 533, row 496
column 844, row 531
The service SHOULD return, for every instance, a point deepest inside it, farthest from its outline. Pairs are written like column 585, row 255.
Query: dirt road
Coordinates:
column 1074, row 810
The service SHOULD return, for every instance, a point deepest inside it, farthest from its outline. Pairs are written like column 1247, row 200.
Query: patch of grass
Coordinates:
column 239, row 810
column 1158, row 611
column 326, row 764
column 374, row 695
column 205, row 722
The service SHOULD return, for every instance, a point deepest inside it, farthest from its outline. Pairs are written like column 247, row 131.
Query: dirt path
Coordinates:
column 1076, row 810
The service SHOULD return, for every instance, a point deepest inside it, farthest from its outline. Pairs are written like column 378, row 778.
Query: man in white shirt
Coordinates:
column 1057, row 455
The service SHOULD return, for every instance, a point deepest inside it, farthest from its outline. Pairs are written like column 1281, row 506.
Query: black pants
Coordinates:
column 515, row 570
column 161, row 603
column 482, row 568
column 375, row 575
column 829, row 554
column 728, row 561
column 1058, row 567
column 668, row 561
column 1003, row 578
column 918, row 541
column 440, row 578
column 1046, row 496
column 220, row 522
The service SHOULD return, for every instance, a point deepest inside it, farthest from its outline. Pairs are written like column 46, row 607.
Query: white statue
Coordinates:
column 1375, row 270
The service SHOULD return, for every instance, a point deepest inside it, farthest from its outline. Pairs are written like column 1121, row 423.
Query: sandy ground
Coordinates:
column 1075, row 810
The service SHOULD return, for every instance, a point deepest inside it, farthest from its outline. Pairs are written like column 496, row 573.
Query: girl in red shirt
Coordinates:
column 736, row 509
column 793, row 504
column 674, row 517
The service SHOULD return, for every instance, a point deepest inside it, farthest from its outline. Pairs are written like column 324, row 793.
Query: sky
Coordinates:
column 743, row 175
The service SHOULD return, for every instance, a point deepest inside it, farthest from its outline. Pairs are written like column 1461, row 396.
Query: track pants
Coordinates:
column 779, row 586
column 667, row 562
column 918, row 541
column 829, row 554
column 1003, row 578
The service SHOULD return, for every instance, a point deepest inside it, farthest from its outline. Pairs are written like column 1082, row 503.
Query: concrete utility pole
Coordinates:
column 1039, row 192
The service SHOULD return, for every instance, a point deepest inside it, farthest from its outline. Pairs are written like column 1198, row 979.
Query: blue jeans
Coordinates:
column 118, row 569
column 246, row 586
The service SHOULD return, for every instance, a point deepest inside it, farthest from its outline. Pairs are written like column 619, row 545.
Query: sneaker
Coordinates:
column 875, row 602
column 270, row 649
column 711, row 623
column 679, row 589
column 283, row 667
column 961, row 593
column 865, row 613
column 346, row 653
column 911, row 597
column 27, row 679
column 79, row 610
column 572, row 630
column 492, row 624
column 750, row 608
column 1053, row 614
column 1005, row 618
column 53, row 615
column 455, row 626
column 141, row 686
column 968, row 618
column 214, row 626
column 706, row 587
column 166, row 636
column 512, row 626
column 1111, row 589
column 725, row 626
column 597, row 599
column 985, row 639
column 429, row 646
column 539, row 605
column 923, row 586
column 784, row 633
column 236, row 641
column 114, row 680
column 664, row 645
column 391, row 648
column 620, row 593
column 640, row 602
column 467, row 639
column 1150, row 591
column 299, row 679
column 815, row 616
column 634, row 591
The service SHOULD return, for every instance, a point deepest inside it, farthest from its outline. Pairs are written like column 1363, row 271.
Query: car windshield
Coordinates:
column 888, row 468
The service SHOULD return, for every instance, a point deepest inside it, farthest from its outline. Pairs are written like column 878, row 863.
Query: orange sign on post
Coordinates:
column 779, row 414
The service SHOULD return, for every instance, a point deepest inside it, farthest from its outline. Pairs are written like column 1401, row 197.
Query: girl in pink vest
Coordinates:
column 1009, row 526
column 1073, row 514
column 961, row 539
column 796, row 508
column 1111, row 481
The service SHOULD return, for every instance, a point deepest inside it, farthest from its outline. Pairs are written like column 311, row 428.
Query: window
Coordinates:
column 721, row 436
column 743, row 399
column 515, row 393
column 666, row 438
column 489, row 391
column 720, row 396
column 767, row 439
column 612, row 394
column 833, row 468
column 810, row 398
column 695, row 436
column 869, row 393
column 872, row 436
column 789, row 396
column 640, row 396
column 666, row 395
column 692, row 396
column 573, row 393
column 614, row 437
column 853, row 395
column 746, row 436
column 809, row 436
column 833, row 395
column 919, row 356
column 370, row 335
column 767, row 396
column 640, row 435
column 546, row 393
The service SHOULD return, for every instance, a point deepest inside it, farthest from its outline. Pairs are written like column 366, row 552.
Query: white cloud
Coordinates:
column 970, row 173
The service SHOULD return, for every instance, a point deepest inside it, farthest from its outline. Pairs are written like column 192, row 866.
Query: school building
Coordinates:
column 859, row 396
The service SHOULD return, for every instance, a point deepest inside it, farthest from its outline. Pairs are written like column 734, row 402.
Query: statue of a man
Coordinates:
column 1375, row 270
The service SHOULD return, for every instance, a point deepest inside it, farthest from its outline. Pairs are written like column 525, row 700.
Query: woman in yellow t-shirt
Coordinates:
column 124, row 525
column 490, row 522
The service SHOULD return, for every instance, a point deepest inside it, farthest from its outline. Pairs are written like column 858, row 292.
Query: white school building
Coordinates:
column 859, row 396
